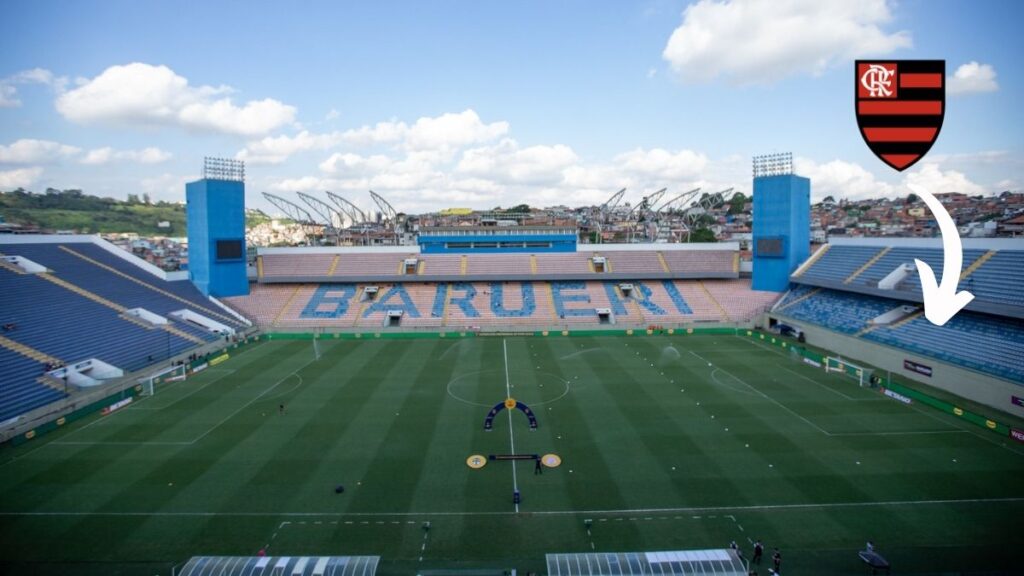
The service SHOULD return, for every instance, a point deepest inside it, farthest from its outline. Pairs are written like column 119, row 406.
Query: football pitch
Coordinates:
column 666, row 443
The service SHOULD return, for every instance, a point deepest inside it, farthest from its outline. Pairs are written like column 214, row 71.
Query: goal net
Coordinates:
column 860, row 374
column 171, row 374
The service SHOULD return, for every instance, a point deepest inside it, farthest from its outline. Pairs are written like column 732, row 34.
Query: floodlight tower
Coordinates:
column 782, row 221
column 215, row 208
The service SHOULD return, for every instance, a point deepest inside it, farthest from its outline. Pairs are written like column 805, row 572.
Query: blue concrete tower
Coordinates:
column 216, row 229
column 782, row 221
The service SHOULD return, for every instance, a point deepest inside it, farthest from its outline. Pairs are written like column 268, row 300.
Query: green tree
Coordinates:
column 702, row 235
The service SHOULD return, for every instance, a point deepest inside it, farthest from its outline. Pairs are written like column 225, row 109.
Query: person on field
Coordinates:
column 537, row 468
column 280, row 409
column 758, row 552
column 777, row 560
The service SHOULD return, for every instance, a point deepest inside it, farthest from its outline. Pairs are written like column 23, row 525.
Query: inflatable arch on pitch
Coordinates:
column 510, row 404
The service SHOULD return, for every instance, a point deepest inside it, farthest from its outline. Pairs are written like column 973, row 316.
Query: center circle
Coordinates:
column 480, row 388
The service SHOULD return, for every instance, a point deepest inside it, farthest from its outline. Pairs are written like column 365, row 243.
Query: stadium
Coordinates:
column 338, row 410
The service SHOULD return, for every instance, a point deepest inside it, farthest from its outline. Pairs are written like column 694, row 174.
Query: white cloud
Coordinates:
column 450, row 131
column 507, row 162
column 381, row 133
column 9, row 93
column 142, row 94
column 841, row 180
column 20, row 178
column 167, row 187
column 972, row 78
column 277, row 149
column 107, row 154
column 438, row 136
column 31, row 151
column 332, row 115
column 932, row 178
column 662, row 165
column 761, row 41
column 8, row 97
column 355, row 165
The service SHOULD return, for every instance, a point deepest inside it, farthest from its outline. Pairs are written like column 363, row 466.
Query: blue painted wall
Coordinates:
column 559, row 243
column 782, row 208
column 216, row 211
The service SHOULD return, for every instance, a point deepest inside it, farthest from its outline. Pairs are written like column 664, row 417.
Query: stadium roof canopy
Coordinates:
column 707, row 562
column 275, row 565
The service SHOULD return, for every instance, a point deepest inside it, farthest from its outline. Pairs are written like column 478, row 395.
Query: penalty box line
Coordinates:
column 721, row 510
column 948, row 430
column 193, row 441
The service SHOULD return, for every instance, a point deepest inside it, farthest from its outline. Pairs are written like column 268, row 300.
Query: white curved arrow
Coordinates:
column 942, row 301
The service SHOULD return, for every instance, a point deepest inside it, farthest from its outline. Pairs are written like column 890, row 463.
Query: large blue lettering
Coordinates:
column 465, row 302
column 676, row 297
column 618, row 307
column 382, row 304
column 439, row 297
column 498, row 301
column 557, row 289
column 334, row 296
column 646, row 302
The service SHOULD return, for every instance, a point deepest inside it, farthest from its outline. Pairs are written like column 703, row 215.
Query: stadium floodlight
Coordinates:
column 778, row 164
column 223, row 169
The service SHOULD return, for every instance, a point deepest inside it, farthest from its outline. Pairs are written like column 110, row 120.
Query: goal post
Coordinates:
column 169, row 374
column 860, row 374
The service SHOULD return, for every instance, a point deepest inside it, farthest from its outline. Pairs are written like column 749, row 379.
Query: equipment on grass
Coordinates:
column 861, row 375
column 874, row 560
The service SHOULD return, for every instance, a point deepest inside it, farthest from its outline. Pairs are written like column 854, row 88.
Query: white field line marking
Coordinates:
column 816, row 383
column 765, row 396
column 146, row 407
column 819, row 428
column 201, row 436
column 101, row 418
column 716, row 509
column 783, row 355
column 968, row 428
column 511, row 434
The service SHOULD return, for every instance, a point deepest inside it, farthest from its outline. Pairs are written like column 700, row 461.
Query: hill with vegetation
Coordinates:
column 74, row 210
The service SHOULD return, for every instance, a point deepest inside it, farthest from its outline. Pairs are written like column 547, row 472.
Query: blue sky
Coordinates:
column 490, row 103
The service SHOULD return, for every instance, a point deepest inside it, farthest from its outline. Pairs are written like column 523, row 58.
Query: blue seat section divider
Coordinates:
column 997, row 281
column 19, row 391
column 118, row 289
column 1000, row 279
column 841, row 311
column 68, row 326
column 981, row 342
column 840, row 261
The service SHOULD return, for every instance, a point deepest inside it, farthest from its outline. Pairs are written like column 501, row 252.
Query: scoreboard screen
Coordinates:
column 770, row 247
column 229, row 249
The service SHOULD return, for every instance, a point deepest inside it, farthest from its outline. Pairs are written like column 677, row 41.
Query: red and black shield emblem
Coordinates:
column 900, row 107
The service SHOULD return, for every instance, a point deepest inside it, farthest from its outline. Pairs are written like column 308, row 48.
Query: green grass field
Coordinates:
column 667, row 443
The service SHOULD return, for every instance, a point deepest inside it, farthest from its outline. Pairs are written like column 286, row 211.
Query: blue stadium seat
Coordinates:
column 19, row 391
column 981, row 342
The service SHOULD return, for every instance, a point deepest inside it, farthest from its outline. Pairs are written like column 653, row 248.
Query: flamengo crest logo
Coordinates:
column 900, row 107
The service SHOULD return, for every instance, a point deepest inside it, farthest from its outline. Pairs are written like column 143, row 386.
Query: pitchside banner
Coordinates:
column 919, row 368
column 1017, row 435
column 900, row 106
